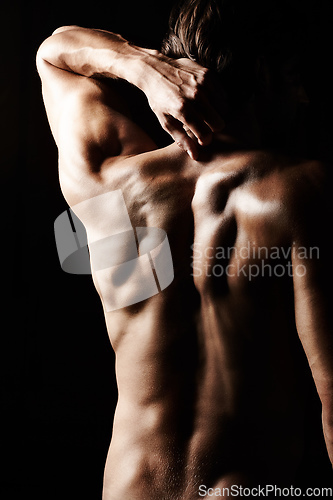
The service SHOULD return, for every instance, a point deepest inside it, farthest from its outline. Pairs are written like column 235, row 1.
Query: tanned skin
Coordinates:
column 210, row 371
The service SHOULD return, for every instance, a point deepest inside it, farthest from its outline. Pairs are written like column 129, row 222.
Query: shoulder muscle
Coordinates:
column 88, row 120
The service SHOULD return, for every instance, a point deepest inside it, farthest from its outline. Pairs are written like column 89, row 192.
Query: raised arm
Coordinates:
column 180, row 92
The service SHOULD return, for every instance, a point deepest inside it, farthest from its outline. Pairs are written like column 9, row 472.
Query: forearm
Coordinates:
column 327, row 420
column 314, row 316
column 180, row 92
column 96, row 53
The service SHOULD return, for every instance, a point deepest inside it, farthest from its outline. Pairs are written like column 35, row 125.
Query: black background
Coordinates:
column 58, row 389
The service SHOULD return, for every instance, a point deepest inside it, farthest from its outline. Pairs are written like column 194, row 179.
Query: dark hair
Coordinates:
column 230, row 36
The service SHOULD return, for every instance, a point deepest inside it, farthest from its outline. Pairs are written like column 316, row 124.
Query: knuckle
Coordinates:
column 204, row 76
column 194, row 87
column 182, row 107
column 166, row 124
column 196, row 92
column 205, row 72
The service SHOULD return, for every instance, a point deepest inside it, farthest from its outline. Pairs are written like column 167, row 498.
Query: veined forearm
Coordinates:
column 94, row 53
column 180, row 92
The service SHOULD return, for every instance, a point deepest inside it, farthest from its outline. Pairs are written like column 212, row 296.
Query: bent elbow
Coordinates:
column 64, row 28
column 39, row 57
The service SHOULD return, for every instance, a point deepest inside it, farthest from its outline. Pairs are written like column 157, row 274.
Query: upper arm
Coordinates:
column 80, row 117
column 88, row 120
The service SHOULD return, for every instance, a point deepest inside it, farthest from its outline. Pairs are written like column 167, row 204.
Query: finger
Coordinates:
column 183, row 139
column 186, row 143
column 195, row 122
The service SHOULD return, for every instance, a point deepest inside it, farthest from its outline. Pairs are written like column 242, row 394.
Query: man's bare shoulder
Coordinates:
column 263, row 188
column 265, row 175
column 306, row 194
column 303, row 190
column 268, row 174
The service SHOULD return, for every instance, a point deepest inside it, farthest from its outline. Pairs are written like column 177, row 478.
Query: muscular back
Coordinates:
column 209, row 370
column 210, row 366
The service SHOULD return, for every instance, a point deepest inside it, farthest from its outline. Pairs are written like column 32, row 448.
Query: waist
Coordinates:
column 162, row 466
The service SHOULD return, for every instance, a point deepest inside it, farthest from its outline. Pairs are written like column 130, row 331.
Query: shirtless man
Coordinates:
column 210, row 370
